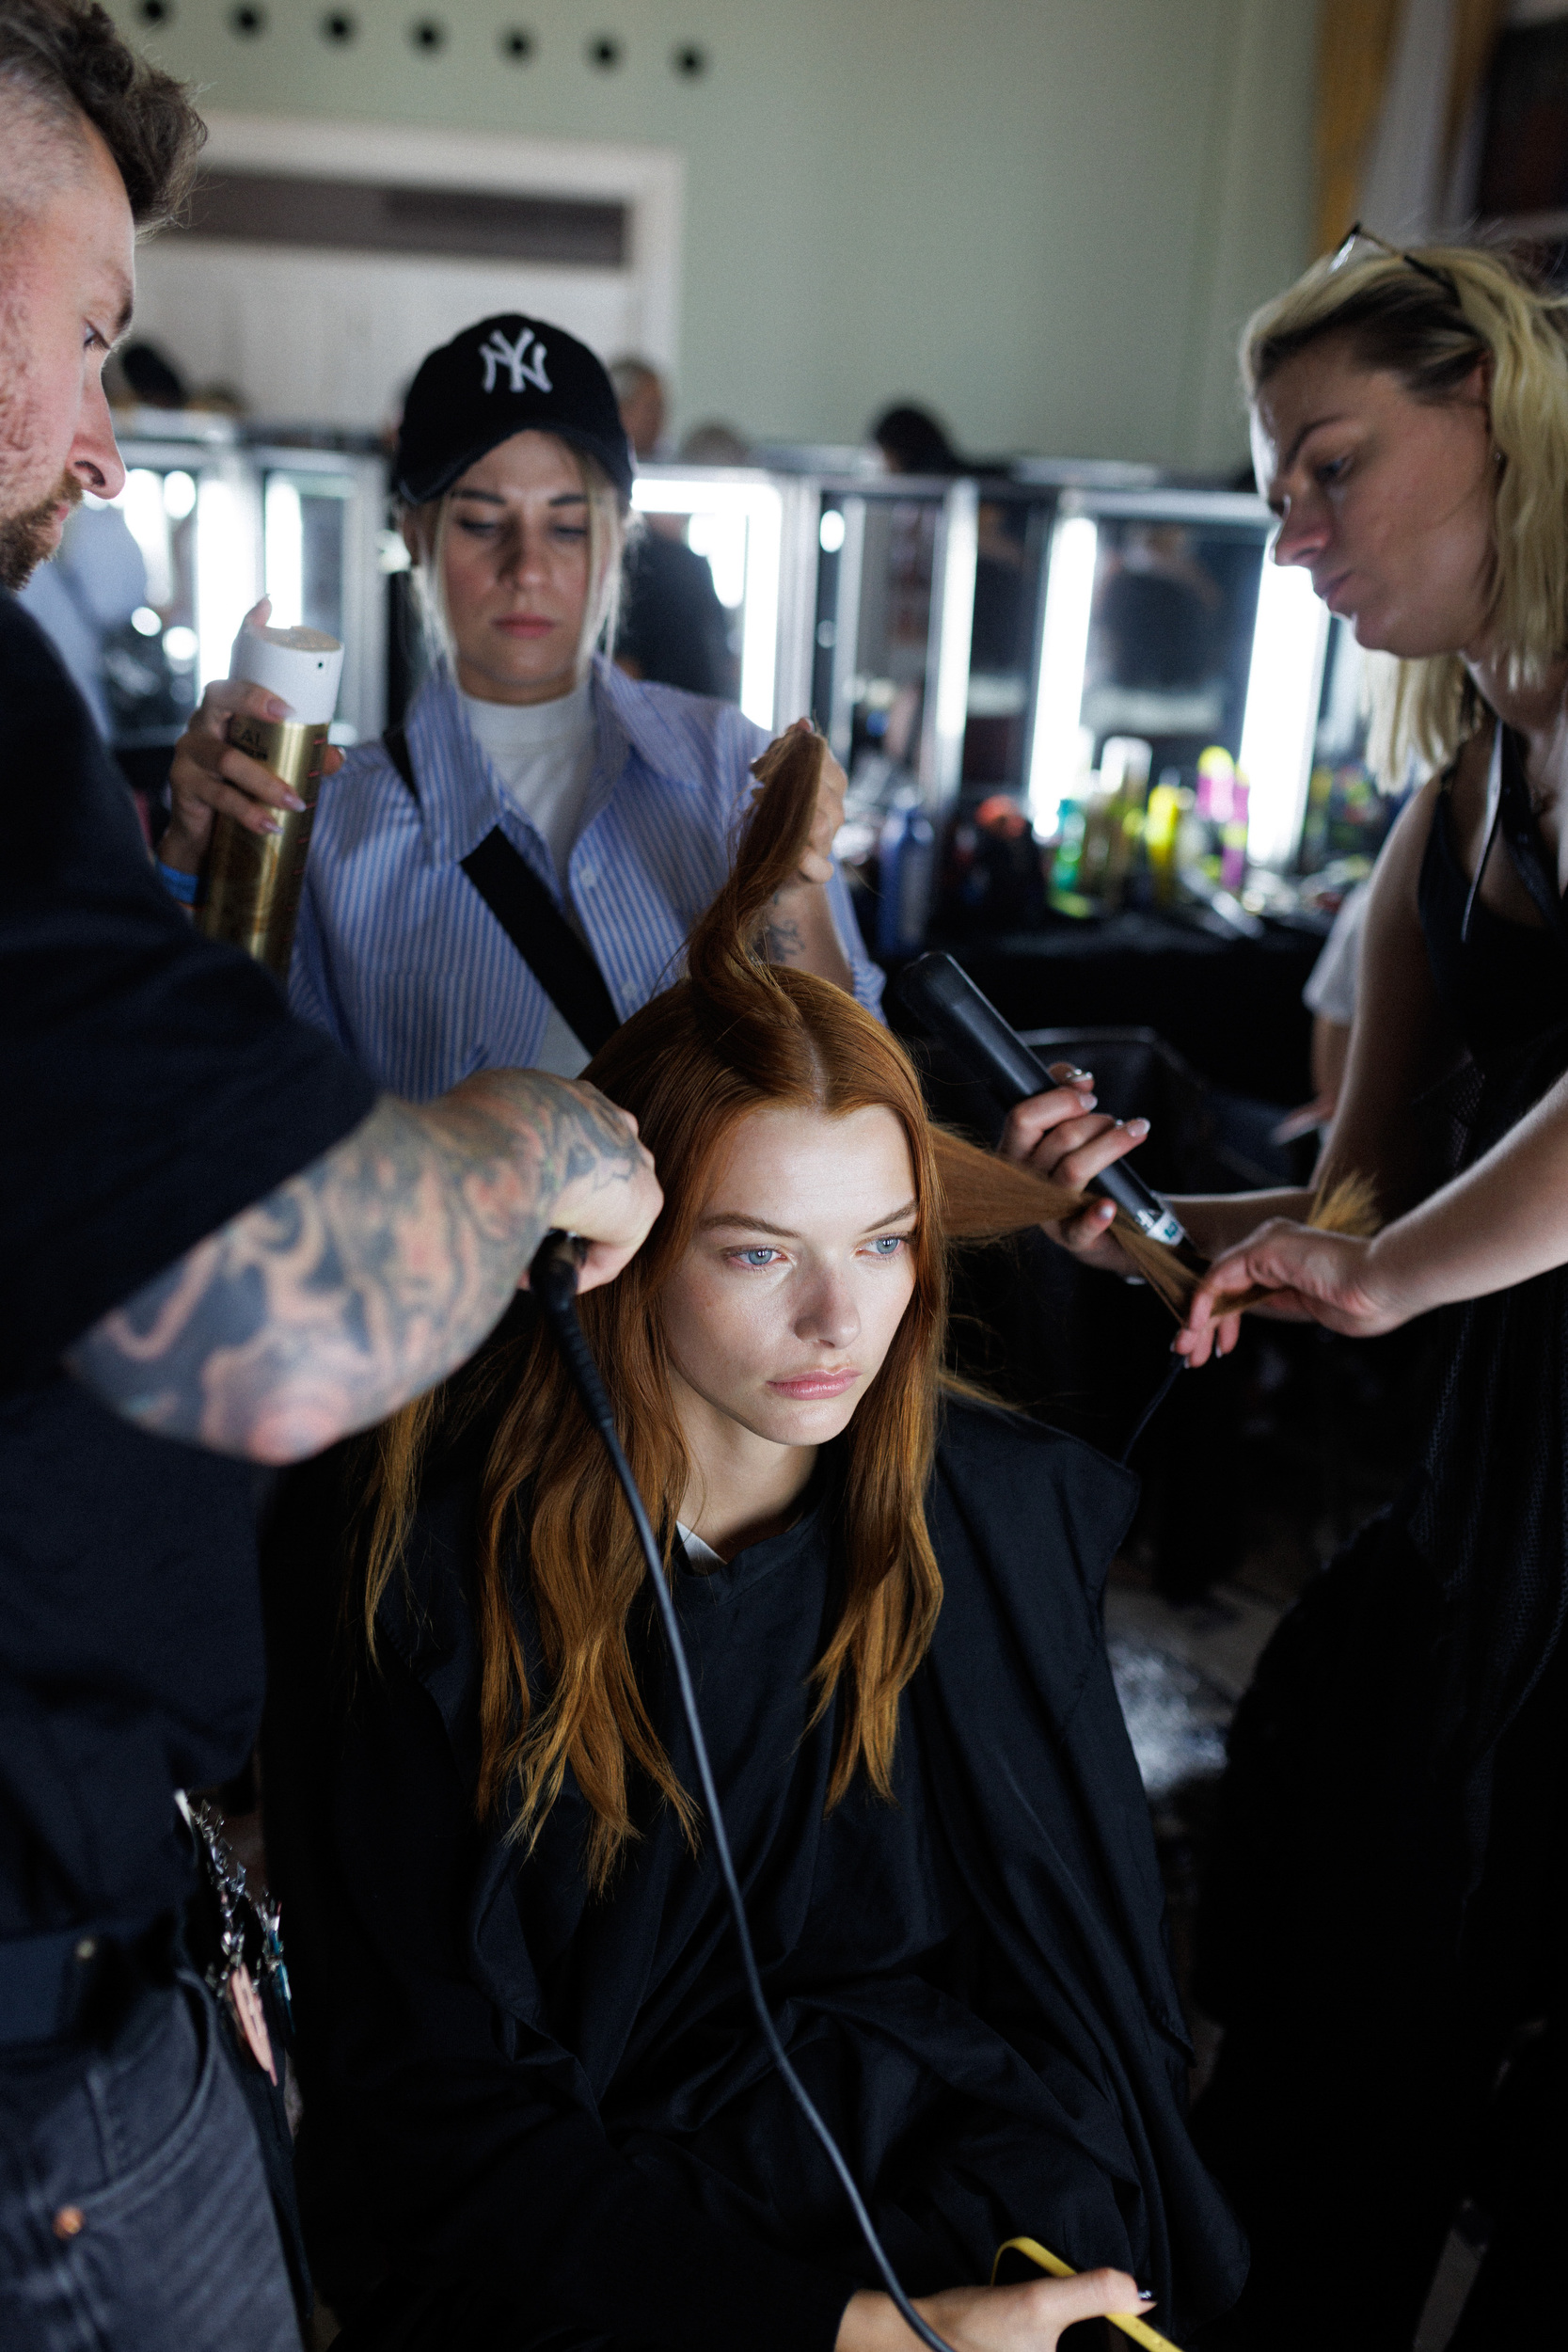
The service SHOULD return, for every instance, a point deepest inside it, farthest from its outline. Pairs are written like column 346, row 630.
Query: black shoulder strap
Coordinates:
column 1518, row 826
column 533, row 922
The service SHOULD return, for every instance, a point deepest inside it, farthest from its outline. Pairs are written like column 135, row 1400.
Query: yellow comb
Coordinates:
column 1032, row 2249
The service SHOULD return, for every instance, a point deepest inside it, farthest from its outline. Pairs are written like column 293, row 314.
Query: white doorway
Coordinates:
column 311, row 330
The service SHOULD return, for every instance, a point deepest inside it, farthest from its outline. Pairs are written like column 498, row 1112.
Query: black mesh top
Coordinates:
column 1488, row 1506
column 1503, row 985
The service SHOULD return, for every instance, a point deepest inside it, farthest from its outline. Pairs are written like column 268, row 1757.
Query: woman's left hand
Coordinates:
column 816, row 867
column 800, row 926
column 1312, row 1276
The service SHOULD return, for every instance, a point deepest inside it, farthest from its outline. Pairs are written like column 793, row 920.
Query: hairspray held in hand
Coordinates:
column 252, row 880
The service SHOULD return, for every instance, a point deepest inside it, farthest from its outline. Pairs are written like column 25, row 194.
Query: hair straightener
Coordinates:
column 949, row 1008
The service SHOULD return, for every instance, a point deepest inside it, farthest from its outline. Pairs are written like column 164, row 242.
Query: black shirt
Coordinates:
column 562, row 2104
column 153, row 1085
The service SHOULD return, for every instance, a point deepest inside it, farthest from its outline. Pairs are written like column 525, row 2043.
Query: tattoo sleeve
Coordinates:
column 360, row 1282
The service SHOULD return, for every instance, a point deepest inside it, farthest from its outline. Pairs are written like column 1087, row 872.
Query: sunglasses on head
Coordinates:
column 1356, row 235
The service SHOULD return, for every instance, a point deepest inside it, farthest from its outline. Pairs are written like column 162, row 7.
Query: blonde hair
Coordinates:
column 1404, row 319
column 608, row 519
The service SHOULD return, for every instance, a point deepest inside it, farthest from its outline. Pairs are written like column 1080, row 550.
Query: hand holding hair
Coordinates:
column 1326, row 1271
column 1061, row 1136
column 800, row 930
column 608, row 1207
column 1030, row 2317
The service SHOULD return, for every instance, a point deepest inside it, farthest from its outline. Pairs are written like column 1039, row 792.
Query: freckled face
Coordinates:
column 1386, row 500
column 781, row 1313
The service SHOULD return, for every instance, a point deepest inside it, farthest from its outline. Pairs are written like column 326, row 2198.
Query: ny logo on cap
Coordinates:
column 515, row 360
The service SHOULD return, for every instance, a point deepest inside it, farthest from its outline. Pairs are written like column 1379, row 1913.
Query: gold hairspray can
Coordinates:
column 251, row 882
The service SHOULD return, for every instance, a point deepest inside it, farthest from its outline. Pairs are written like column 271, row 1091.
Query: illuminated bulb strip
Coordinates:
column 1283, row 684
column 1063, row 654
column 284, row 544
column 141, row 501
column 222, row 586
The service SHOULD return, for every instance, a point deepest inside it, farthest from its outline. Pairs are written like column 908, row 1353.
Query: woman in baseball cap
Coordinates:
column 513, row 872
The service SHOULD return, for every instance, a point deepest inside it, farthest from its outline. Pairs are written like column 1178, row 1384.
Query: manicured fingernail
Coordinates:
column 1135, row 1126
column 1073, row 1074
column 294, row 801
column 1088, row 1101
column 271, row 824
column 276, row 709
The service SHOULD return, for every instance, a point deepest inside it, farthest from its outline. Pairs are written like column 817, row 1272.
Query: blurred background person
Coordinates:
column 715, row 443
column 644, row 404
column 911, row 440
column 83, row 602
column 671, row 628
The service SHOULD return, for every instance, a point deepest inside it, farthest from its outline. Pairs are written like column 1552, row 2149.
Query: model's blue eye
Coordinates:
column 758, row 1257
column 889, row 1244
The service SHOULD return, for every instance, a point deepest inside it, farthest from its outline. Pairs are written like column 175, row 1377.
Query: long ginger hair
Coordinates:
column 736, row 1035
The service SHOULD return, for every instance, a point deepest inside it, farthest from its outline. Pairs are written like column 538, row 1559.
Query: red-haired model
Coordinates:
column 526, row 2040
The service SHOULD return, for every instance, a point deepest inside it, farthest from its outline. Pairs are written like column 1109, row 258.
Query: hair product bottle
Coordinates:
column 251, row 882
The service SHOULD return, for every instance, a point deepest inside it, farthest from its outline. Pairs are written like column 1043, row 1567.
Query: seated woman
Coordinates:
column 514, row 476
column 525, row 2032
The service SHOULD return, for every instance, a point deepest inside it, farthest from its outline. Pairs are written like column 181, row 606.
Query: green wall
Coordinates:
column 1046, row 218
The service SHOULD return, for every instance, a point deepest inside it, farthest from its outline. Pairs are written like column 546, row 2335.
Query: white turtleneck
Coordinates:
column 542, row 756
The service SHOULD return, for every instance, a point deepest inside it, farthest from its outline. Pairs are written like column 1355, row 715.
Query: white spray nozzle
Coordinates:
column 301, row 666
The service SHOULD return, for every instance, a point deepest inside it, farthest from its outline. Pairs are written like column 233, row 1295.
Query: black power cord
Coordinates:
column 1167, row 1382
column 553, row 1282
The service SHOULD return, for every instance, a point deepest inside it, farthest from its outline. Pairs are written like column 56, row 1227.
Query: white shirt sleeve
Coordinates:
column 1330, row 991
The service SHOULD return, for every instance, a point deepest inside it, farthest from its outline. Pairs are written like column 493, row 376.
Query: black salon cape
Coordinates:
column 568, row 2099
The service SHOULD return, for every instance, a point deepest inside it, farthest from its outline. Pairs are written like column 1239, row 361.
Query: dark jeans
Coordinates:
column 134, row 2213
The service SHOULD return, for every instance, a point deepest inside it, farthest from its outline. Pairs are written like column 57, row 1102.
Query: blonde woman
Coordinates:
column 513, row 474
column 1386, row 1925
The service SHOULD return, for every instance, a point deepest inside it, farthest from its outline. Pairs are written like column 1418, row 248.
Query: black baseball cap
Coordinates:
column 505, row 375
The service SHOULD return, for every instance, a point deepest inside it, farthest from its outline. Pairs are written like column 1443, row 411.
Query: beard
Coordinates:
column 28, row 538
column 28, row 533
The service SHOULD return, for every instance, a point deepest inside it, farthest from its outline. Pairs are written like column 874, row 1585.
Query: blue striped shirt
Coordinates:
column 399, row 959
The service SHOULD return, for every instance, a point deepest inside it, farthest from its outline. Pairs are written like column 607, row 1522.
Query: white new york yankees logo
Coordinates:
column 515, row 360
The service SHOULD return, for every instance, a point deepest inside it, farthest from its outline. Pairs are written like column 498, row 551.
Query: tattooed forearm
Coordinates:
column 800, row 930
column 785, row 940
column 369, row 1275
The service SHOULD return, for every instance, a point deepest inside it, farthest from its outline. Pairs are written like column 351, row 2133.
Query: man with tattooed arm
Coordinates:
column 220, row 1249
